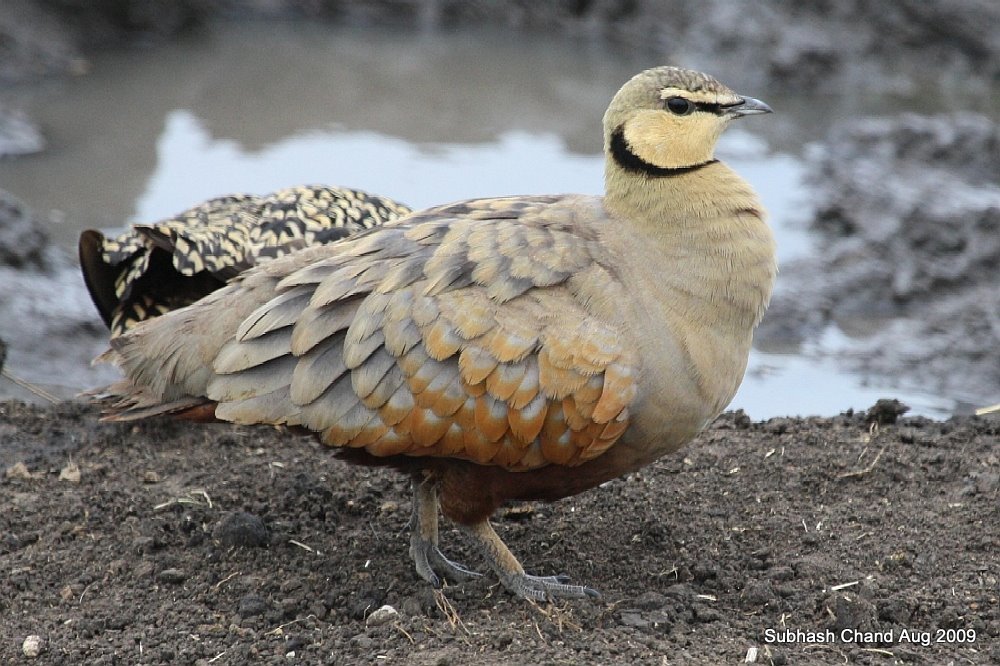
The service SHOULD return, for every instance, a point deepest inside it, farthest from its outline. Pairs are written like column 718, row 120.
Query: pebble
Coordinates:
column 252, row 605
column 241, row 529
column 171, row 576
column 650, row 601
column 778, row 426
column 382, row 615
column 633, row 619
column 20, row 471
column 32, row 646
column 759, row 593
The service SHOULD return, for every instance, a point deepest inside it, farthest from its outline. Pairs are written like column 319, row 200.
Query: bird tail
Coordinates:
column 124, row 401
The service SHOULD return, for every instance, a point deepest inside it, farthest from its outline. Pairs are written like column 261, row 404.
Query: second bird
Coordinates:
column 523, row 348
column 150, row 269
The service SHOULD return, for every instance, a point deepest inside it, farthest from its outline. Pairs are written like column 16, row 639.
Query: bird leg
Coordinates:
column 424, row 538
column 511, row 573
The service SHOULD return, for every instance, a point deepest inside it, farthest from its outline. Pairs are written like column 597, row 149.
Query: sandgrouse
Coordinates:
column 521, row 348
column 150, row 269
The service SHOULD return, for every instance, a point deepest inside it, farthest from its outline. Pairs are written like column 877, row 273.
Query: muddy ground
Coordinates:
column 169, row 543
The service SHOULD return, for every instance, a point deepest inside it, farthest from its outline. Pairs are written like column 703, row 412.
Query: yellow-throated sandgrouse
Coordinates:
column 521, row 348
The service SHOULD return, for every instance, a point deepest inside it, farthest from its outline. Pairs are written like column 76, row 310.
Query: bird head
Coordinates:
column 668, row 119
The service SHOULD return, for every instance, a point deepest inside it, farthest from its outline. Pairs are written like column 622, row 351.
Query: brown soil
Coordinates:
column 172, row 543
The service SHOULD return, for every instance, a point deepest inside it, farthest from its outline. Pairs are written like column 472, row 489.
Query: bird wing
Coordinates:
column 225, row 236
column 466, row 331
column 313, row 215
column 198, row 229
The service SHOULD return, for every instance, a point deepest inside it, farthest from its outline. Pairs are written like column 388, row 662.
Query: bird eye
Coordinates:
column 680, row 106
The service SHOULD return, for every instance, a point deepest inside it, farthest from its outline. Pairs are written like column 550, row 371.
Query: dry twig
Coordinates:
column 449, row 612
column 31, row 388
column 866, row 470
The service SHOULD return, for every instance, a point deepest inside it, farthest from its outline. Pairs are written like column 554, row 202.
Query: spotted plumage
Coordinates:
column 150, row 269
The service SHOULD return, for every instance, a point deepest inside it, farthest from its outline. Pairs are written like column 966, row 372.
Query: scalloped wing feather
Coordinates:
column 458, row 333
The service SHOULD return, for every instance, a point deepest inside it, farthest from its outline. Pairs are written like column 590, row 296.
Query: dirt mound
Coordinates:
column 811, row 541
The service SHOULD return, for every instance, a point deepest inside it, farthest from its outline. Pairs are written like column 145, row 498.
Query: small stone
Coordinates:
column 362, row 606
column 633, row 619
column 382, row 615
column 70, row 472
column 706, row 614
column 241, row 529
column 781, row 572
column 885, row 411
column 778, row 426
column 20, row 471
column 252, row 605
column 650, row 601
column 32, row 646
column 150, row 477
column 171, row 576
column 289, row 606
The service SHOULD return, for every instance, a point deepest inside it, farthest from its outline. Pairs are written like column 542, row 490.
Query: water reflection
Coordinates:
column 192, row 161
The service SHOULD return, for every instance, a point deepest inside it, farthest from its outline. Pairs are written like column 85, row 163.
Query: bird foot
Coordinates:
column 430, row 562
column 546, row 588
column 424, row 551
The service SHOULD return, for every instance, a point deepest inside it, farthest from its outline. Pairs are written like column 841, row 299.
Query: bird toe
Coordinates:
column 547, row 588
column 431, row 564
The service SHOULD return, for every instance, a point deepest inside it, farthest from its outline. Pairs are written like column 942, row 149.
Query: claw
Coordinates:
column 511, row 573
column 547, row 588
column 431, row 562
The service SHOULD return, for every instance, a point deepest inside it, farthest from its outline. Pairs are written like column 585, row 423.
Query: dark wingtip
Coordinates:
column 98, row 275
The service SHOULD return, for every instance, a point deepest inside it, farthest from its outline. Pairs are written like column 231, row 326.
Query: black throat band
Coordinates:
column 629, row 161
